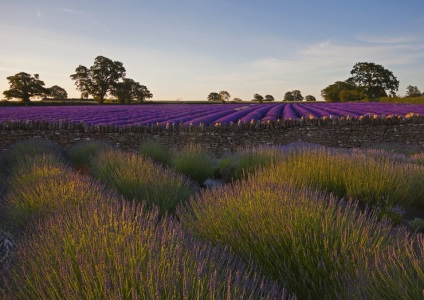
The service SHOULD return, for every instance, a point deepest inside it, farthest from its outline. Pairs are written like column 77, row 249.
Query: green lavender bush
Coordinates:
column 373, row 179
column 319, row 246
column 81, row 153
column 137, row 177
column 39, row 186
column 120, row 250
column 18, row 151
column 156, row 152
column 194, row 162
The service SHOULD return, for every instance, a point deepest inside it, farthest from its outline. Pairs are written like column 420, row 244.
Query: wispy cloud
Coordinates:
column 397, row 40
column 71, row 11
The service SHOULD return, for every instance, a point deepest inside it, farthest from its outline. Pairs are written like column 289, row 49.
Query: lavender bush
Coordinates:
column 120, row 250
column 319, row 246
column 137, row 177
column 156, row 152
column 373, row 179
column 81, row 153
column 193, row 161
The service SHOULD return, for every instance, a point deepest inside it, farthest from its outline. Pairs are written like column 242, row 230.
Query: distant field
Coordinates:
column 207, row 114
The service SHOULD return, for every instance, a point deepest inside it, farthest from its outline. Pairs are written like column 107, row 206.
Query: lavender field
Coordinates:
column 288, row 222
column 207, row 114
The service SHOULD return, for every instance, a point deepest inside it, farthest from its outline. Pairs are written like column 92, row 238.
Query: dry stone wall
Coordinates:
column 220, row 140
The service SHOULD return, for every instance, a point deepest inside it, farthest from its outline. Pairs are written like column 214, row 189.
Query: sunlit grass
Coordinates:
column 404, row 100
column 320, row 247
column 119, row 250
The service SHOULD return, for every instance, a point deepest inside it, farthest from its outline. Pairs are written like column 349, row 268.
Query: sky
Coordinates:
column 186, row 49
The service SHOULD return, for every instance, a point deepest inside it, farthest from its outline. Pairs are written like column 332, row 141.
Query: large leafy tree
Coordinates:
column 225, row 96
column 141, row 93
column 24, row 86
column 100, row 78
column 295, row 95
column 310, row 98
column 128, row 90
column 374, row 79
column 214, row 97
column 57, row 92
column 257, row 97
column 412, row 91
column 342, row 91
column 269, row 98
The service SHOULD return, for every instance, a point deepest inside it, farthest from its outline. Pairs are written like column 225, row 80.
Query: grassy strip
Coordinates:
column 137, row 177
column 120, row 250
column 320, row 247
column 404, row 100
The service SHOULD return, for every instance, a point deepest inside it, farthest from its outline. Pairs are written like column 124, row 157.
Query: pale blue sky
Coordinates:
column 187, row 49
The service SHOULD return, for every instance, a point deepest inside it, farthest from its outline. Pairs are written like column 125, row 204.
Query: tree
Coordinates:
column 24, row 86
column 269, row 98
column 342, row 91
column 374, row 79
column 141, row 93
column 225, row 96
column 288, row 96
column 412, row 91
column 214, row 97
column 100, row 78
column 237, row 99
column 56, row 92
column 295, row 95
column 128, row 90
column 257, row 97
column 310, row 98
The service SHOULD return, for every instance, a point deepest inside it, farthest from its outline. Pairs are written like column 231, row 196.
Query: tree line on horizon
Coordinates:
column 102, row 78
column 295, row 95
column 107, row 77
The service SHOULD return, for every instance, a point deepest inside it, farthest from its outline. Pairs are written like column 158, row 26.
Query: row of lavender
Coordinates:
column 206, row 114
column 78, row 239
column 316, row 244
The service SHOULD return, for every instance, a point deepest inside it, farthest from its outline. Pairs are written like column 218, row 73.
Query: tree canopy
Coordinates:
column 257, row 97
column 269, row 98
column 57, row 92
column 295, row 95
column 369, row 80
column 24, row 86
column 342, row 91
column 214, row 97
column 225, row 96
column 128, row 90
column 310, row 98
column 412, row 91
column 100, row 78
column 374, row 80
